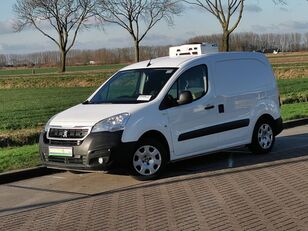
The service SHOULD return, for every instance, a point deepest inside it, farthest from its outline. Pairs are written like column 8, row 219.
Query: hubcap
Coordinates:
column 147, row 160
column 265, row 136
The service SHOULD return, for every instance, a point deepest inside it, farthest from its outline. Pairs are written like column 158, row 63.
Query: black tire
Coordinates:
column 148, row 160
column 263, row 137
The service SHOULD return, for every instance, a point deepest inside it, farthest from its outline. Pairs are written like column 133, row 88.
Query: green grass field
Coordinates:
column 294, row 111
column 290, row 86
column 293, row 90
column 55, row 80
column 44, row 70
column 31, row 107
column 17, row 158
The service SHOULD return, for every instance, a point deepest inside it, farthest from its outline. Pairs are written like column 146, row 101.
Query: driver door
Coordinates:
column 189, row 123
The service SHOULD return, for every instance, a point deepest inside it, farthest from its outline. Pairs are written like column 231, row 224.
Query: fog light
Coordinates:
column 100, row 160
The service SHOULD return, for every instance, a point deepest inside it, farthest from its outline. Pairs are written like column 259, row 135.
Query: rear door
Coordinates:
column 189, row 123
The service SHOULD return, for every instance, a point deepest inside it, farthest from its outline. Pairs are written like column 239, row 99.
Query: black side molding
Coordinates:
column 214, row 129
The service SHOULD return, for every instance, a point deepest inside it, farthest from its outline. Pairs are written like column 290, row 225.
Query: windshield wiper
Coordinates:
column 87, row 102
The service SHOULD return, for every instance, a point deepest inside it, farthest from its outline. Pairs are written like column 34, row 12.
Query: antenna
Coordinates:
column 149, row 63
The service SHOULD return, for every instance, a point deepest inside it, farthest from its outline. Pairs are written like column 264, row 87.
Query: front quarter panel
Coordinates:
column 149, row 118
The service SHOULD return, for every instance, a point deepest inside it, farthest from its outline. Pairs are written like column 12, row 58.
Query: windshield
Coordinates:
column 133, row 86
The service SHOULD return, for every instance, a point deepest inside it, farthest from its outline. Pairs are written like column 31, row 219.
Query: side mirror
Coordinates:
column 185, row 98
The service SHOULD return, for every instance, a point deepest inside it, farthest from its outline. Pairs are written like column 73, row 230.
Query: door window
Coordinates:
column 193, row 80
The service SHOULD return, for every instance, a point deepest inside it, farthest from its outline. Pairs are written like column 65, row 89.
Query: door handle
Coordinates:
column 208, row 107
column 221, row 108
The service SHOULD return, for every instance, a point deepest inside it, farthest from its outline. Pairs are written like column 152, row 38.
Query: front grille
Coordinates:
column 67, row 133
column 65, row 160
column 65, row 142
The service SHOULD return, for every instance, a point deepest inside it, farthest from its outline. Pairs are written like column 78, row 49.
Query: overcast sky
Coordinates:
column 260, row 16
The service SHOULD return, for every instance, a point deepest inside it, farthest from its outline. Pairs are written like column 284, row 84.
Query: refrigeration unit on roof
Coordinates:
column 193, row 49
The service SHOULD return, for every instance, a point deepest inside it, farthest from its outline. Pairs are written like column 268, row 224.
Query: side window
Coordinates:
column 193, row 80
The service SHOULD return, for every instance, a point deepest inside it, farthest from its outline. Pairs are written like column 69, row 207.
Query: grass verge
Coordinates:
column 18, row 158
column 46, row 70
column 294, row 111
column 293, row 90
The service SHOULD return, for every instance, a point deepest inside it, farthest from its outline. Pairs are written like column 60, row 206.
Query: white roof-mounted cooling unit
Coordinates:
column 193, row 49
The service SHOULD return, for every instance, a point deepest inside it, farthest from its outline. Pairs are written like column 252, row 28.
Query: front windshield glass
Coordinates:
column 133, row 86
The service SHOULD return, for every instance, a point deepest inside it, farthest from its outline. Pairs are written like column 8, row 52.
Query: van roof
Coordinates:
column 167, row 61
column 160, row 62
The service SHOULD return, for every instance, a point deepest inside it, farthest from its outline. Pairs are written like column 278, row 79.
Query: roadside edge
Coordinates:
column 22, row 174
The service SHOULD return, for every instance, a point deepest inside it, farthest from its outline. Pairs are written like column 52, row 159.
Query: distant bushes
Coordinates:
column 19, row 137
column 300, row 97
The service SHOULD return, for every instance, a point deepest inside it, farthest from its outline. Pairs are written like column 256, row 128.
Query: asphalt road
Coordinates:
column 56, row 189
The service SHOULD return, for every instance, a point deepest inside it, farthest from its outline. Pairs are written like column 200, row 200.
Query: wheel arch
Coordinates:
column 266, row 117
column 154, row 134
column 255, row 145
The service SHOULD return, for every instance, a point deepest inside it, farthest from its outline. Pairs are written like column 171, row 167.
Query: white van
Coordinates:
column 167, row 109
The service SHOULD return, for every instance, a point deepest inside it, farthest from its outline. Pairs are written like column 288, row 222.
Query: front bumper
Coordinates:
column 106, row 146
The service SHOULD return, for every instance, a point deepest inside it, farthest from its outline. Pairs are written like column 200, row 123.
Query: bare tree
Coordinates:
column 63, row 16
column 138, row 17
column 223, row 11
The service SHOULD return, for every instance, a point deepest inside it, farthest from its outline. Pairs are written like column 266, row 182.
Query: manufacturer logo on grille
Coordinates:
column 65, row 134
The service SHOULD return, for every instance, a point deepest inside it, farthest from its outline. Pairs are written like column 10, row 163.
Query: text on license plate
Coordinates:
column 60, row 151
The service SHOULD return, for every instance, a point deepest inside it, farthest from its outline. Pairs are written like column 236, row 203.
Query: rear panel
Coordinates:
column 246, row 88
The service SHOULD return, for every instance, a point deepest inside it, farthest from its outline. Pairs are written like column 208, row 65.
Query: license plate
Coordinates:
column 61, row 151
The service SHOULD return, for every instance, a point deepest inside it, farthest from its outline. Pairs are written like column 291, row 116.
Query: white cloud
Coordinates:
column 253, row 8
column 283, row 9
column 284, row 27
column 6, row 27
column 295, row 25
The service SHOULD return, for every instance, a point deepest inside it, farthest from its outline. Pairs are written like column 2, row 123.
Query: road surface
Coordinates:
column 233, row 190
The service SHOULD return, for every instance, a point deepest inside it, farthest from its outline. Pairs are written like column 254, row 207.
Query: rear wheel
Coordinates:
column 149, row 160
column 263, row 138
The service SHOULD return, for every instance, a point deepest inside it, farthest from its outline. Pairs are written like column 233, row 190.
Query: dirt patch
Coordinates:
column 86, row 80
column 291, row 73
column 21, row 137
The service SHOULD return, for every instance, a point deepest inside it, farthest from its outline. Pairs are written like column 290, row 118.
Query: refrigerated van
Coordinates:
column 150, row 113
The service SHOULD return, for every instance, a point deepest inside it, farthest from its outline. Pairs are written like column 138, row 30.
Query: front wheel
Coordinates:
column 149, row 160
column 263, row 138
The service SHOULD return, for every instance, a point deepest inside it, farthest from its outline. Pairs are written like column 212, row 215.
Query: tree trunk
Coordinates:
column 225, row 41
column 63, row 61
column 137, row 58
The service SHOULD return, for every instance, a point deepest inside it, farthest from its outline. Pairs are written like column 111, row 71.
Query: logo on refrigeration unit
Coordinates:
column 65, row 134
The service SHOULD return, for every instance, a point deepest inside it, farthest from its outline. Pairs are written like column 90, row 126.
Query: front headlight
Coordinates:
column 111, row 124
